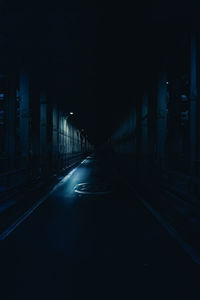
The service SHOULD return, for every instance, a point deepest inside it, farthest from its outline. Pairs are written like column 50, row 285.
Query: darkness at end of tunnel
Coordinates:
column 94, row 59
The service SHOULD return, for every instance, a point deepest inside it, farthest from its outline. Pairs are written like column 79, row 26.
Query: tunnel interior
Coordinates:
column 99, row 149
column 91, row 60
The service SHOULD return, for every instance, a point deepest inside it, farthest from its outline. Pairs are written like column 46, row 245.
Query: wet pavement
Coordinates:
column 93, row 239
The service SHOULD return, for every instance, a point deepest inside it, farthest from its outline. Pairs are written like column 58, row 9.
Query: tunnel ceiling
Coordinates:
column 94, row 57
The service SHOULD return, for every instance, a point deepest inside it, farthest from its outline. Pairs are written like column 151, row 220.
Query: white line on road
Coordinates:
column 14, row 225
column 188, row 249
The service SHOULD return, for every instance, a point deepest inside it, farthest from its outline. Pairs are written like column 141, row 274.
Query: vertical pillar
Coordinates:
column 59, row 140
column 11, row 121
column 43, row 132
column 152, row 133
column 69, row 138
column 134, row 126
column 138, row 137
column 85, row 145
column 65, row 141
column 152, row 125
column 62, row 138
column 193, row 97
column 24, row 118
column 161, row 118
column 79, row 141
column 55, row 137
column 198, row 109
column 35, row 128
column 49, row 137
column 144, row 130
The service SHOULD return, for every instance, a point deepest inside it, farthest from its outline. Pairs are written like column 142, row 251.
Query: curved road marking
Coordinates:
column 22, row 218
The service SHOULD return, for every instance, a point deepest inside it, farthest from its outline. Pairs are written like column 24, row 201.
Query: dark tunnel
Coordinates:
column 99, row 150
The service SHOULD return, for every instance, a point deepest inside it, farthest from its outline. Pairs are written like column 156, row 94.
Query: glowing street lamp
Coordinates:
column 69, row 115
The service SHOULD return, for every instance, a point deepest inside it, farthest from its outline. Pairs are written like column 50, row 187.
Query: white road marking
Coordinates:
column 188, row 249
column 14, row 225
column 79, row 191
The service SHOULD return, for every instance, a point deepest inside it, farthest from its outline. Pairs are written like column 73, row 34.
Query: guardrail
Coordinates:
column 14, row 178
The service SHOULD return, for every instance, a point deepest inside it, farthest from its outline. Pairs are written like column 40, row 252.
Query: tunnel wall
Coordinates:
column 142, row 137
column 38, row 139
column 159, row 139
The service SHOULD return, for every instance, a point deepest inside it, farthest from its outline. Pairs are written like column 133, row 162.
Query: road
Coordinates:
column 92, row 238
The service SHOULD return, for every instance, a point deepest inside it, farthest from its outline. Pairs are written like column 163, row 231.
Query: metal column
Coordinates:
column 193, row 97
column 43, row 133
column 161, row 118
column 11, row 121
column 24, row 118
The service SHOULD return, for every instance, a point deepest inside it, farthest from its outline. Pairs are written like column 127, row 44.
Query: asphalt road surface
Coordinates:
column 92, row 238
